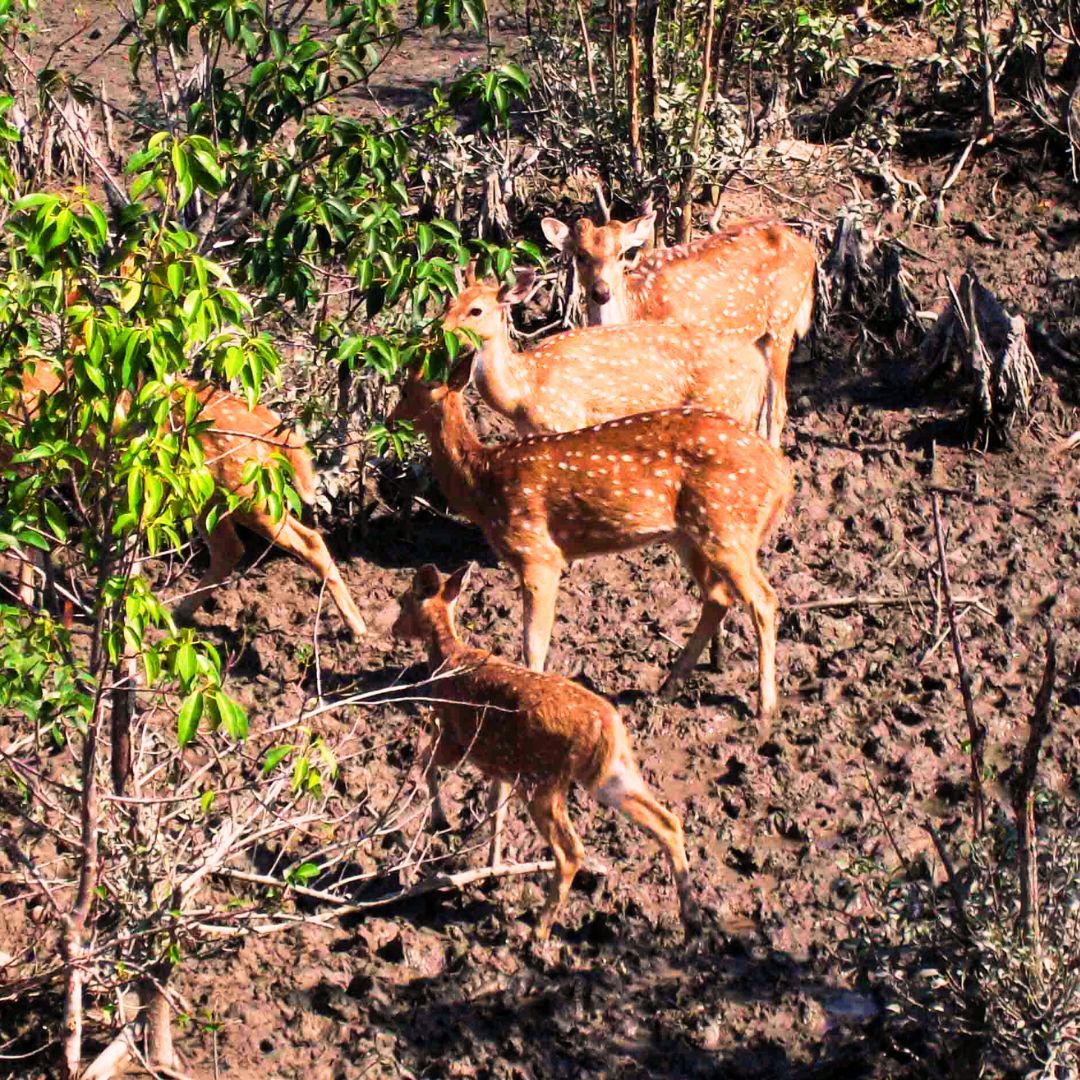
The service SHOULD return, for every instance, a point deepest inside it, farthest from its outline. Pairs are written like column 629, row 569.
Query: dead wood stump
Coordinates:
column 994, row 353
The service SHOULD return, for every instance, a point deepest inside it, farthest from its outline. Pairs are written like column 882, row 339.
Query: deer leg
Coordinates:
column 435, row 756
column 623, row 789
column 716, row 603
column 498, row 795
column 548, row 810
column 711, row 614
column 716, row 644
column 539, row 587
column 778, row 355
column 308, row 546
column 752, row 588
column 27, row 591
column 226, row 549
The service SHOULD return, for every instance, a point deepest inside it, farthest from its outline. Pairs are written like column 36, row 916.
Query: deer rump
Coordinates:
column 238, row 435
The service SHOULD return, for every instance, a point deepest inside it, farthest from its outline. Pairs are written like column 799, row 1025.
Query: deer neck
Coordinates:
column 499, row 375
column 441, row 642
column 458, row 458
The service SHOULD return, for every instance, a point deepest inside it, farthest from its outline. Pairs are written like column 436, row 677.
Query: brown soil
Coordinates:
column 783, row 838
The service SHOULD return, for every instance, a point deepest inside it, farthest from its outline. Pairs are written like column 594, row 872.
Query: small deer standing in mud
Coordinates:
column 236, row 436
column 754, row 279
column 588, row 375
column 696, row 479
column 540, row 733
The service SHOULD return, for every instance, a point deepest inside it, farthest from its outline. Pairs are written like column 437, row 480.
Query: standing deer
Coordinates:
column 693, row 478
column 538, row 732
column 585, row 376
column 236, row 436
column 754, row 278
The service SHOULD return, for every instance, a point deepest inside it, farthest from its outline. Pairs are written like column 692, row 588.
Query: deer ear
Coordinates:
column 639, row 231
column 426, row 582
column 556, row 232
column 455, row 584
column 470, row 273
column 520, row 290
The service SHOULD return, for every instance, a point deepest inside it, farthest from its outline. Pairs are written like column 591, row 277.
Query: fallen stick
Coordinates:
column 435, row 883
column 873, row 601
column 1066, row 445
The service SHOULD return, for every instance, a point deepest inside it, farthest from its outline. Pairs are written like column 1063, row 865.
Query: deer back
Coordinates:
column 237, row 435
column 587, row 376
column 629, row 482
column 513, row 723
column 751, row 278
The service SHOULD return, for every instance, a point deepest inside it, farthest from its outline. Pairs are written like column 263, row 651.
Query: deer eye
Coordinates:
column 476, row 311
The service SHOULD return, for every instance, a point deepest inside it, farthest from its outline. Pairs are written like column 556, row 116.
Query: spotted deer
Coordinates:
column 236, row 436
column 585, row 376
column 753, row 279
column 691, row 477
column 539, row 733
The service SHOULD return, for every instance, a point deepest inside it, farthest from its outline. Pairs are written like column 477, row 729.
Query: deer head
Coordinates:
column 484, row 307
column 429, row 600
column 421, row 398
column 597, row 251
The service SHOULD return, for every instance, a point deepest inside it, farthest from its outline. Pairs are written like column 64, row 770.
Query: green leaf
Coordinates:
column 260, row 71
column 187, row 723
column 232, row 716
column 187, row 663
column 175, row 275
column 300, row 875
column 275, row 756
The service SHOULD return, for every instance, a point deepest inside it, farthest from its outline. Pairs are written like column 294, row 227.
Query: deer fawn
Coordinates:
column 754, row 279
column 236, row 436
column 693, row 478
column 539, row 732
column 585, row 376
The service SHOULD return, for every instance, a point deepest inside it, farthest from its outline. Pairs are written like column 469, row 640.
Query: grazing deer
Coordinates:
column 236, row 436
column 538, row 732
column 585, row 376
column 693, row 478
column 754, row 279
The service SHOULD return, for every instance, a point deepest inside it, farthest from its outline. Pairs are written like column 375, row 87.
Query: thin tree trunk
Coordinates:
column 652, row 86
column 71, row 942
column 633, row 90
column 686, row 188
column 679, row 16
column 158, row 1017
column 1024, row 801
column 586, row 44
column 729, row 11
column 613, row 53
column 989, row 96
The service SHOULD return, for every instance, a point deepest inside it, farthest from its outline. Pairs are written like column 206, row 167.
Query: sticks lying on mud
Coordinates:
column 872, row 601
column 436, row 883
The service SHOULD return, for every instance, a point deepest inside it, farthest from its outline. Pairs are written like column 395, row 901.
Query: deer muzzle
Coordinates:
column 601, row 293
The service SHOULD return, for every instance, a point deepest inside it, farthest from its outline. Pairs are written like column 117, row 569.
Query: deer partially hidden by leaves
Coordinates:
column 233, row 437
column 754, row 279
column 540, row 733
column 585, row 376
